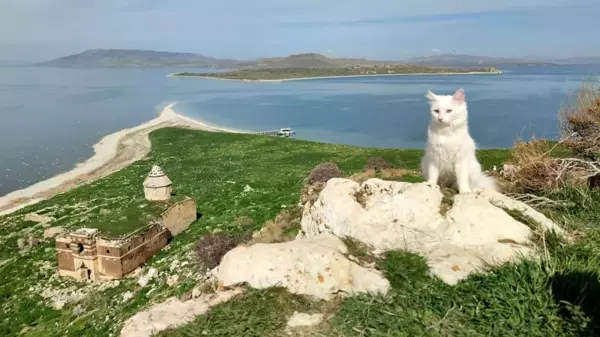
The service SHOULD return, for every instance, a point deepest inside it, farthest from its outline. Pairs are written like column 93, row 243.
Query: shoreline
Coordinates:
column 174, row 75
column 112, row 153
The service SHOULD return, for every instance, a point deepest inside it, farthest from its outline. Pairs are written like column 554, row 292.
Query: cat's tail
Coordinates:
column 484, row 181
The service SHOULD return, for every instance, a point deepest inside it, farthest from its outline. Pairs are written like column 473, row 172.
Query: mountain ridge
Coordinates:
column 152, row 58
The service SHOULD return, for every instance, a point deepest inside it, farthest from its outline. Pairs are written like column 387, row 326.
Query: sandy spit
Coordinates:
column 111, row 153
column 342, row 76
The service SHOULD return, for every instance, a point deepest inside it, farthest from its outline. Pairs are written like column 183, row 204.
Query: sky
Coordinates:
column 248, row 29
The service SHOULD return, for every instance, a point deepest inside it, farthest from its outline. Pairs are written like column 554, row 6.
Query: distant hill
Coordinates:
column 139, row 58
column 312, row 60
column 149, row 58
column 458, row 60
column 579, row 60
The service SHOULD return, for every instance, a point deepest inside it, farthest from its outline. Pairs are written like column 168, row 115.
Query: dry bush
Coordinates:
column 323, row 172
column 376, row 163
column 211, row 248
column 283, row 228
column 579, row 121
column 533, row 169
column 244, row 221
column 385, row 174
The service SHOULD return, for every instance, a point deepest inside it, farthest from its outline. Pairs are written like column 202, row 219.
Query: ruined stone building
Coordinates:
column 87, row 254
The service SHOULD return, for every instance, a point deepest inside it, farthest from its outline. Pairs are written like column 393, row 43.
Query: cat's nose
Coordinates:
column 441, row 119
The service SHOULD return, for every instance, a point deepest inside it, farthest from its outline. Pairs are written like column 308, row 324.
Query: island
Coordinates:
column 283, row 74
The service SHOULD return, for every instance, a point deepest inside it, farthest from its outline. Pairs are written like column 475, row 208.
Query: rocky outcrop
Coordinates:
column 172, row 313
column 389, row 215
column 313, row 266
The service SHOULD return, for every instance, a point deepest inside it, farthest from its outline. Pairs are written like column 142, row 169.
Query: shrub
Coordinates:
column 580, row 121
column 376, row 163
column 323, row 172
column 211, row 248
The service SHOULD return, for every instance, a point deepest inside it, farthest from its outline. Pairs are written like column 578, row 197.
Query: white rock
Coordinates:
column 313, row 266
column 53, row 231
column 21, row 243
column 405, row 216
column 172, row 313
column 143, row 281
column 172, row 280
column 247, row 189
column 34, row 217
column 127, row 296
column 299, row 319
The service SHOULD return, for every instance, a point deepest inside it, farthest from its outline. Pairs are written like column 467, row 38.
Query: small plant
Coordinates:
column 211, row 248
column 376, row 163
column 323, row 172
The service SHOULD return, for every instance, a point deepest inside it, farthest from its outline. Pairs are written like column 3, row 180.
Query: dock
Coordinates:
column 285, row 132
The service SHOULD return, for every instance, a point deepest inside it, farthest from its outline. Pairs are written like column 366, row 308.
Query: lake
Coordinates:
column 51, row 117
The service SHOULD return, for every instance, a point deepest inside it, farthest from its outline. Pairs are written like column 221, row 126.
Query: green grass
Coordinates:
column 134, row 213
column 558, row 297
column 289, row 73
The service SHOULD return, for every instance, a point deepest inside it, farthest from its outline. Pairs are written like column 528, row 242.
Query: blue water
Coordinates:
column 50, row 118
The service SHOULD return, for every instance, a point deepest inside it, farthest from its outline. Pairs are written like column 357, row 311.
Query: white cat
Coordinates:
column 449, row 158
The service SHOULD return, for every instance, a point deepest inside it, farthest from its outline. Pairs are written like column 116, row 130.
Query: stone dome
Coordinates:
column 157, row 178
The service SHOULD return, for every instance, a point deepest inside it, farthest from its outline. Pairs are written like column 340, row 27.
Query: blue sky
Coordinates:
column 243, row 29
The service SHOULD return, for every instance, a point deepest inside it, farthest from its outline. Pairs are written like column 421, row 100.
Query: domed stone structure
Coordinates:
column 157, row 186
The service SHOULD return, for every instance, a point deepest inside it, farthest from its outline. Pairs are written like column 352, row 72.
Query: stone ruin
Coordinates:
column 86, row 255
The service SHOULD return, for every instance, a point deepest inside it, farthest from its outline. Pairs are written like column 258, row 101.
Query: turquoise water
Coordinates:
column 50, row 117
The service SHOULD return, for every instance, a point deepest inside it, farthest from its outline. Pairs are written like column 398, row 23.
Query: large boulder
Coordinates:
column 313, row 266
column 390, row 215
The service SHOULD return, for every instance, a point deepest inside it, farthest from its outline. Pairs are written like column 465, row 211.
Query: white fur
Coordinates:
column 449, row 158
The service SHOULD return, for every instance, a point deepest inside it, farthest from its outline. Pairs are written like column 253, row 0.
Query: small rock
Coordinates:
column 21, row 243
column 143, row 281
column 196, row 292
column 58, row 304
column 127, row 296
column 300, row 319
column 172, row 280
column 78, row 310
column 217, row 231
column 247, row 189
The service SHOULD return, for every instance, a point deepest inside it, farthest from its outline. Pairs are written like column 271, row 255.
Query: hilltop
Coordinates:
column 313, row 60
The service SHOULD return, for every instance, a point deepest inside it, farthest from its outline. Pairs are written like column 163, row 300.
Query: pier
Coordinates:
column 285, row 132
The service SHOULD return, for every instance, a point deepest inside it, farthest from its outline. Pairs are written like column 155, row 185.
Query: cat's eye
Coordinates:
column 449, row 110
column 436, row 110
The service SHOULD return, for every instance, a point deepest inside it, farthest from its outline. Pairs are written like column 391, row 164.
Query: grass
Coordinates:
column 289, row 73
column 558, row 297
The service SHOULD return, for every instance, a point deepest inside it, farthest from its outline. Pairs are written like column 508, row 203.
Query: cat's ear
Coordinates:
column 430, row 96
column 459, row 95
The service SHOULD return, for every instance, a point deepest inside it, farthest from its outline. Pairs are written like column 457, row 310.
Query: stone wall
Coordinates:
column 65, row 260
column 179, row 216
column 136, row 256
column 120, row 257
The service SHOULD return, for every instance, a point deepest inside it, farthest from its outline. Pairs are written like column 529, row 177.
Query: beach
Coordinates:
column 174, row 75
column 111, row 153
